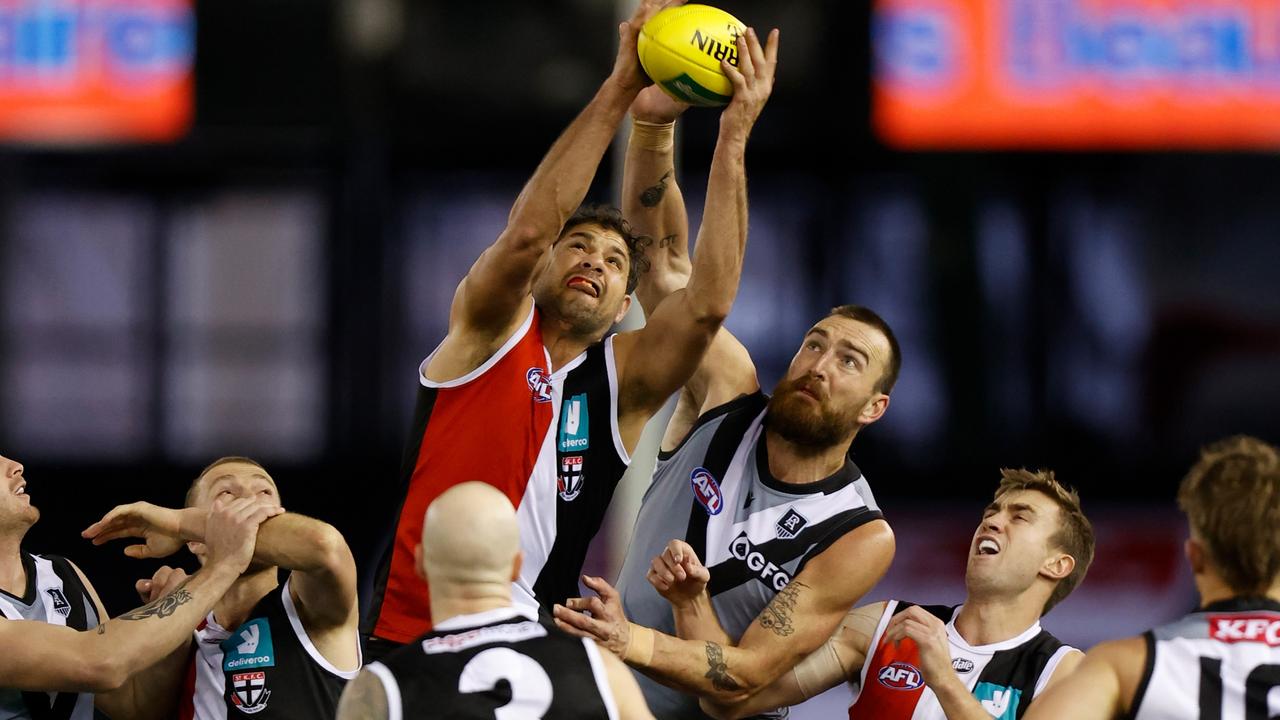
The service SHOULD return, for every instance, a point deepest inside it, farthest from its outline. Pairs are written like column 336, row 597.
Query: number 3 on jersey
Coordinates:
column 530, row 686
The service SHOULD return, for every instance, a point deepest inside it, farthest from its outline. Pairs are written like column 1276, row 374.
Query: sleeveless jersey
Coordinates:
column 753, row 532
column 54, row 595
column 548, row 440
column 500, row 663
column 267, row 667
column 1222, row 662
column 1005, row 676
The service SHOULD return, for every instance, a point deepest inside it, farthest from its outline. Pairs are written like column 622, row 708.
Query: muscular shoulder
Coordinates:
column 364, row 698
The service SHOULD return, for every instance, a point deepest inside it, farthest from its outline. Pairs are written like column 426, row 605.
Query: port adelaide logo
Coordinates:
column 790, row 524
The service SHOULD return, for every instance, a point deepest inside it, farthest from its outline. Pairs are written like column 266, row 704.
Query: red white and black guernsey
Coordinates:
column 548, row 440
column 503, row 663
column 1005, row 676
column 267, row 668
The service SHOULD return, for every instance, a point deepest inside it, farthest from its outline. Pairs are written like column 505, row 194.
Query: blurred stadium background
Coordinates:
column 234, row 227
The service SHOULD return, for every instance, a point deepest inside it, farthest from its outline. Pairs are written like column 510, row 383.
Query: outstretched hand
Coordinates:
column 626, row 68
column 752, row 79
column 159, row 527
column 600, row 618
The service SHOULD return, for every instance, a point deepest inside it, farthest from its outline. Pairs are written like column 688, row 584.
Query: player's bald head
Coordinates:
column 469, row 537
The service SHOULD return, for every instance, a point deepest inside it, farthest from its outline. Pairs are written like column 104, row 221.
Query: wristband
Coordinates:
column 656, row 137
column 640, row 648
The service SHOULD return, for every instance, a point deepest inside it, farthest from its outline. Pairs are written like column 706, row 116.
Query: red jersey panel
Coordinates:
column 489, row 425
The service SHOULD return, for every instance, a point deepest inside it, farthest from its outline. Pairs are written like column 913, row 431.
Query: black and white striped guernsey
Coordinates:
column 1218, row 663
column 55, row 595
column 753, row 531
column 499, row 663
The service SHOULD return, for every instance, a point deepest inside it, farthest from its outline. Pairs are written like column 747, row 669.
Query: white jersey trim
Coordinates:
column 1051, row 667
column 990, row 648
column 872, row 646
column 602, row 678
column 485, row 367
column 462, row 622
column 395, row 706
column 611, row 365
column 301, row 632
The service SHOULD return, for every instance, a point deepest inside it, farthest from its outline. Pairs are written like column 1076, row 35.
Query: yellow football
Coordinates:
column 681, row 48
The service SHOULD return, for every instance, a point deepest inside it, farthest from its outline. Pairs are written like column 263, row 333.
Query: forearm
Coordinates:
column 697, row 620
column 140, row 637
column 290, row 541
column 561, row 180
column 723, row 673
column 151, row 694
column 722, row 239
column 653, row 204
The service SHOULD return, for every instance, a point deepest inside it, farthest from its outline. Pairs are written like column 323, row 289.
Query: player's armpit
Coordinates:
column 364, row 699
column 1102, row 687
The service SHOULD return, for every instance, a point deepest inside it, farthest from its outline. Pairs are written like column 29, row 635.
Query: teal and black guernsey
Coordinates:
column 54, row 595
column 754, row 532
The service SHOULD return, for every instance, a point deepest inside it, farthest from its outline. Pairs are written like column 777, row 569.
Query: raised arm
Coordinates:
column 492, row 296
column 660, row 358
column 323, row 580
column 796, row 622
column 653, row 203
column 43, row 657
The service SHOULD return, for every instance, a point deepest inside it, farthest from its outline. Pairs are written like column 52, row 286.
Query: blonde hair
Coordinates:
column 1075, row 532
column 1231, row 498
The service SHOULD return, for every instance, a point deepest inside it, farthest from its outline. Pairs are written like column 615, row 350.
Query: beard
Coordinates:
column 799, row 421
column 573, row 309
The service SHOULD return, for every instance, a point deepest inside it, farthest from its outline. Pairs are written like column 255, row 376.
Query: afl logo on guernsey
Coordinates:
column 706, row 491
column 900, row 676
column 539, row 384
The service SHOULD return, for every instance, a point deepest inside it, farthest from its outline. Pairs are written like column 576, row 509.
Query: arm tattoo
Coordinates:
column 364, row 699
column 718, row 669
column 668, row 241
column 652, row 195
column 777, row 614
column 162, row 608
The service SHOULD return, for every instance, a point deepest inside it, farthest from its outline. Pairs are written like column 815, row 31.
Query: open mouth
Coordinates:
column 577, row 282
column 21, row 489
column 987, row 546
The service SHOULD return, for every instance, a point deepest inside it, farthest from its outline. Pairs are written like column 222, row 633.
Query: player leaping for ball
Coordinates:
column 525, row 391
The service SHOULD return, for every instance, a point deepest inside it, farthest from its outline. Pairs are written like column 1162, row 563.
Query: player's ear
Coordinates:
column 874, row 409
column 516, row 562
column 1197, row 556
column 1058, row 566
column 622, row 312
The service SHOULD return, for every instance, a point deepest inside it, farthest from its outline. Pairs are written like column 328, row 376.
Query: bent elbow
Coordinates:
column 101, row 674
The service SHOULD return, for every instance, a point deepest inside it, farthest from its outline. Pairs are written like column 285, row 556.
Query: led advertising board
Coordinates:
column 1077, row 74
column 96, row 71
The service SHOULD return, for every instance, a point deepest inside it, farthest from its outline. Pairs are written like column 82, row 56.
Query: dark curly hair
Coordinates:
column 610, row 218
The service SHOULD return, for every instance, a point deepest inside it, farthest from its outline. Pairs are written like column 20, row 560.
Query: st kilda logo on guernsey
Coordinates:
column 706, row 491
column 249, row 692
column 539, row 384
column 569, row 484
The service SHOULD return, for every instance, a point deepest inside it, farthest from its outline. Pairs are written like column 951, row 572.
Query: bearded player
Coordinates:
column 763, row 487
column 523, row 391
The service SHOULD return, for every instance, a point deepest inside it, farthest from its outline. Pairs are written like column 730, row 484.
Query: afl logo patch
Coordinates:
column 539, row 384
column 706, row 491
column 900, row 676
